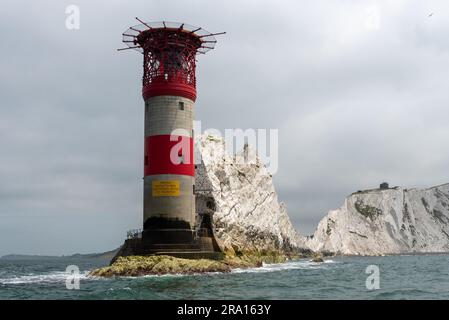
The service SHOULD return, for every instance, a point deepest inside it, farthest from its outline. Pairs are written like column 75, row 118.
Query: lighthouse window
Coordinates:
column 181, row 105
column 146, row 160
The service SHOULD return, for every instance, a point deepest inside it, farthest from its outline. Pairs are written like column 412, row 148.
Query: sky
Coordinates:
column 357, row 90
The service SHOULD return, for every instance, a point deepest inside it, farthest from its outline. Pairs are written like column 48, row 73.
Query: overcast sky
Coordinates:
column 359, row 91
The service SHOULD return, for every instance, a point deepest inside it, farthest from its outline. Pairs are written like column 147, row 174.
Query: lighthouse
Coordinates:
column 169, row 92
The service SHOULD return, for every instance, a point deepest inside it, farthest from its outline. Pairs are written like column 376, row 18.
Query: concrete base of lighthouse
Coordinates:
column 200, row 247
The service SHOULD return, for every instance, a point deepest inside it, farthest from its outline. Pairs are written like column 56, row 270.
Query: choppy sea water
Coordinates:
column 400, row 277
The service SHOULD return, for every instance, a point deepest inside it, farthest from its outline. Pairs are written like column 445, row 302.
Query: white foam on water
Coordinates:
column 58, row 276
column 167, row 275
column 125, row 288
column 171, row 275
column 291, row 265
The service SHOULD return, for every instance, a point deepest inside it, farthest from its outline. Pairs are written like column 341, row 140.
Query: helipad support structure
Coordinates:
column 169, row 91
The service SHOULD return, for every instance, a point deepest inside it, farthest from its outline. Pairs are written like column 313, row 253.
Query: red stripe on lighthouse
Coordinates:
column 164, row 156
column 166, row 88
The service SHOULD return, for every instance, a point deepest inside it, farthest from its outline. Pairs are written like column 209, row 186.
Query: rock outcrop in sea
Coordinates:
column 387, row 221
column 134, row 266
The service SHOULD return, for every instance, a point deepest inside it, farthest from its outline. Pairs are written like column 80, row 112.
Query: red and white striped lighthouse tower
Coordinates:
column 169, row 91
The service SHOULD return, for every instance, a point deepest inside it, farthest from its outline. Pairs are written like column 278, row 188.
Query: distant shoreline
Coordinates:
column 13, row 257
column 110, row 254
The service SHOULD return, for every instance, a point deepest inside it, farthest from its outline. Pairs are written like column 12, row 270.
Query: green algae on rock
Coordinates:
column 146, row 265
column 162, row 264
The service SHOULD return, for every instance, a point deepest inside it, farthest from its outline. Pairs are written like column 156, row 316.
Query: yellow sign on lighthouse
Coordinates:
column 166, row 188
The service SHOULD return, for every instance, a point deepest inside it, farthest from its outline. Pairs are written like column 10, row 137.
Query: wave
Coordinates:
column 58, row 276
column 291, row 265
column 168, row 275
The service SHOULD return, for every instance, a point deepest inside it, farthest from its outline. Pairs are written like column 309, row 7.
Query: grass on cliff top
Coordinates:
column 157, row 265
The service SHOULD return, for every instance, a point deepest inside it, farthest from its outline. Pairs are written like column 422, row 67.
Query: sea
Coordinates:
column 388, row 277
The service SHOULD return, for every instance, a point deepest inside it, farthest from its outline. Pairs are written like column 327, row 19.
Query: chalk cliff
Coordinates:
column 387, row 221
column 239, row 191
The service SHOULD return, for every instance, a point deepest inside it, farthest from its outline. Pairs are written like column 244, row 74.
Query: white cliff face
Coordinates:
column 387, row 221
column 248, row 216
column 240, row 192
